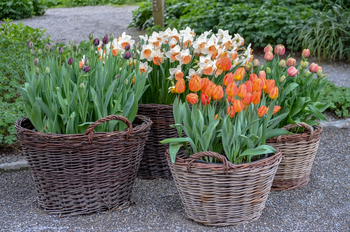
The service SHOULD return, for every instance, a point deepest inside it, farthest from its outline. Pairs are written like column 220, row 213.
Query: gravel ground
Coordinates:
column 323, row 205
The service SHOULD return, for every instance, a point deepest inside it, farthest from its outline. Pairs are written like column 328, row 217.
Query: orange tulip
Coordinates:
column 231, row 89
column 269, row 85
column 195, row 84
column 262, row 111
column 253, row 77
column 238, row 106
column 242, row 91
column 230, row 99
column 258, row 84
column 239, row 74
column 274, row 93
column 256, row 97
column 224, row 63
column 209, row 91
column 247, row 99
column 228, row 79
column 204, row 84
column 180, row 86
column 115, row 52
column 205, row 99
column 276, row 109
column 81, row 64
column 178, row 75
column 216, row 116
column 192, row 98
column 218, row 93
column 249, row 86
column 230, row 111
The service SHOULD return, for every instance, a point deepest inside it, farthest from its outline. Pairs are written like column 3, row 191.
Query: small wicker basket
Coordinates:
column 298, row 152
column 84, row 173
column 223, row 194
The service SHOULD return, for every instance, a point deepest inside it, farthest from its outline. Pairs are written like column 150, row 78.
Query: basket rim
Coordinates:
column 146, row 123
column 298, row 137
column 154, row 105
column 259, row 163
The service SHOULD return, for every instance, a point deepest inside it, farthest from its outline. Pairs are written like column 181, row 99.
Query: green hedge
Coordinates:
column 18, row 9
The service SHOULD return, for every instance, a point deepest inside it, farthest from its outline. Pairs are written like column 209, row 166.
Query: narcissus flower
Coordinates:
column 218, row 93
column 262, row 111
column 306, row 53
column 239, row 74
column 313, row 67
column 269, row 86
column 291, row 62
column 249, row 86
column 292, row 71
column 230, row 111
column 268, row 56
column 256, row 97
column 238, row 106
column 205, row 99
column 228, row 79
column 224, row 63
column 115, row 52
column 268, row 48
column 242, row 91
column 195, row 83
column 280, row 50
column 274, row 93
column 231, row 89
column 247, row 99
column 192, row 98
column 180, row 86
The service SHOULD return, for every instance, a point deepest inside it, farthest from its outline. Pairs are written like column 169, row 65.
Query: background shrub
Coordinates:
column 18, row 9
column 339, row 98
column 73, row 3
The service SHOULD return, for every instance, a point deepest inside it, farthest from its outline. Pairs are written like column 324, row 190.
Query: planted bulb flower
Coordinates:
column 192, row 98
column 37, row 70
column 105, row 39
column 36, row 61
column 256, row 63
column 313, row 68
column 96, row 42
column 70, row 61
column 268, row 48
column 282, row 64
column 86, row 69
column 127, row 55
column 306, row 53
column 262, row 111
column 304, row 64
column 291, row 62
column 111, row 37
column 127, row 47
column 268, row 56
column 91, row 36
column 32, row 51
column 292, row 71
column 60, row 50
column 82, row 86
column 280, row 50
column 47, row 70
column 40, row 51
column 30, row 44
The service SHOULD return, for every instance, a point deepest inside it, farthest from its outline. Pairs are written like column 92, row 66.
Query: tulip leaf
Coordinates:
column 173, row 150
column 289, row 88
column 298, row 105
column 277, row 132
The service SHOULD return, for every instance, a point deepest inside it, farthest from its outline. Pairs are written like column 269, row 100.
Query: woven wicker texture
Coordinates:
column 298, row 152
column 223, row 194
column 154, row 164
column 82, row 174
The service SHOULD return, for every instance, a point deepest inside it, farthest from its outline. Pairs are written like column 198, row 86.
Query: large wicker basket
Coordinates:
column 298, row 152
column 84, row 173
column 154, row 164
column 223, row 194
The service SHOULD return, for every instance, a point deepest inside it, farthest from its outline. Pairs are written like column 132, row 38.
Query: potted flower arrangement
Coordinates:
column 175, row 59
column 299, row 97
column 77, row 171
column 223, row 169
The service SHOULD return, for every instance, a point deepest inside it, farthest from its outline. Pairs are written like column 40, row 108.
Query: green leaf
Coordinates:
column 289, row 88
column 277, row 132
column 298, row 106
column 173, row 149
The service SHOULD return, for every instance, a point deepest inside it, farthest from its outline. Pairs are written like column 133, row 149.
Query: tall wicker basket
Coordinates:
column 223, row 194
column 84, row 173
column 154, row 164
column 298, row 152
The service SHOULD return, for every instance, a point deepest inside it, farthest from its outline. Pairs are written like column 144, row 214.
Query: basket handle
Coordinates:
column 90, row 130
column 300, row 124
column 201, row 154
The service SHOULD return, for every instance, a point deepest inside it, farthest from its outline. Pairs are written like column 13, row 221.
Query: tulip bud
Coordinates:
column 280, row 50
column 319, row 73
column 69, row 48
column 282, row 78
column 57, row 88
column 79, row 51
column 268, row 48
column 239, row 74
column 256, row 97
column 292, row 71
column 70, row 61
column 36, row 61
column 313, row 68
column 262, row 111
column 91, row 36
column 32, row 51
column 82, row 86
column 274, row 93
column 282, row 64
column 268, row 56
column 127, row 55
column 105, row 39
column 248, row 67
column 117, row 77
column 205, row 99
column 47, row 47
column 180, row 86
column 306, row 53
column 218, row 93
column 134, row 55
column 238, row 106
column 307, row 74
column 192, row 98
column 127, row 47
column 230, row 111
column 304, row 64
column 96, row 42
column 87, row 62
column 60, row 50
column 75, row 47
column 111, row 37
column 37, row 70
column 30, row 44
column 47, row 70
column 242, row 91
column 40, row 51
column 126, row 81
column 231, row 89
column 268, row 70
column 256, row 63
column 86, row 69
column 291, row 62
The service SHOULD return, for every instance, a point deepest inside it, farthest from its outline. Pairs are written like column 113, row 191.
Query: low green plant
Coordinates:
column 74, row 3
column 19, row 9
column 339, row 97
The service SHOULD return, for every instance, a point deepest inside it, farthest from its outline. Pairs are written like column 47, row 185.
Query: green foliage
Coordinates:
column 18, row 9
column 74, row 3
column 339, row 98
column 14, row 57
column 327, row 33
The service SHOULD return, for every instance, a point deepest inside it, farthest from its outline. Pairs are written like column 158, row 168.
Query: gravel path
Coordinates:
column 323, row 205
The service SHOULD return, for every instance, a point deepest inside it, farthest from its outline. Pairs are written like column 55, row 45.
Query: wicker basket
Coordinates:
column 154, row 164
column 223, row 194
column 84, row 173
column 299, row 151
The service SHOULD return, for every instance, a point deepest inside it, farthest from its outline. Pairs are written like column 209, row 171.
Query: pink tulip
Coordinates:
column 268, row 48
column 268, row 56
column 292, row 71
column 313, row 68
column 280, row 50
column 306, row 53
